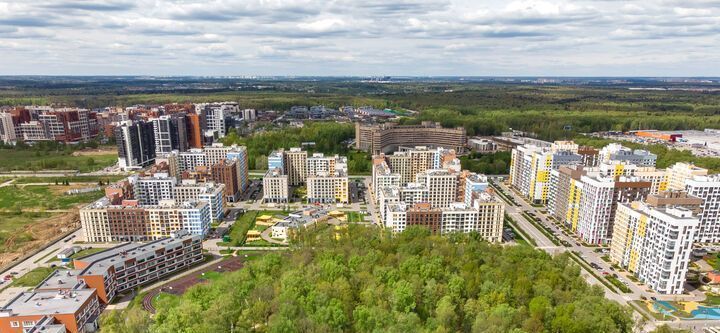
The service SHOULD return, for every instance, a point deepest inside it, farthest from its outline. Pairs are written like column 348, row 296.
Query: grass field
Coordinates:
column 29, row 160
column 355, row 217
column 33, row 277
column 245, row 222
column 42, row 197
column 13, row 224
column 81, row 253
column 59, row 180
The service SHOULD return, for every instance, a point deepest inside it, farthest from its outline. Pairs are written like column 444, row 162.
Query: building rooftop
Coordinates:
column 114, row 255
column 60, row 279
column 38, row 303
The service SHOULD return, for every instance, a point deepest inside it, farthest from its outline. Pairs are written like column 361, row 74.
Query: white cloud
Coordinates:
column 339, row 37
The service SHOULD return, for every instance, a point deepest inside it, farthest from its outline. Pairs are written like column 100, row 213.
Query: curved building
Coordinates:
column 388, row 137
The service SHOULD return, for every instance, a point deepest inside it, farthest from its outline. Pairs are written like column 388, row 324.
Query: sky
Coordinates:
column 361, row 37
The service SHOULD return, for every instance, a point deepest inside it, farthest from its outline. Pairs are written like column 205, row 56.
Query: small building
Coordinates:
column 266, row 220
column 713, row 277
column 281, row 230
column 252, row 235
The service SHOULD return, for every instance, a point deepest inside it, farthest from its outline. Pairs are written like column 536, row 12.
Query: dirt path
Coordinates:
column 41, row 232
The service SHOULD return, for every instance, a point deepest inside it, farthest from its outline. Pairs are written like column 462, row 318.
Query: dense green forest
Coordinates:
column 361, row 279
column 490, row 164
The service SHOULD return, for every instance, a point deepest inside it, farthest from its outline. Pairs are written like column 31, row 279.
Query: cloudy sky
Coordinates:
column 361, row 37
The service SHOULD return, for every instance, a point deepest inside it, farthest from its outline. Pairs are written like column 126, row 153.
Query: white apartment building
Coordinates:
column 655, row 244
column 707, row 188
column 441, row 186
column 680, row 172
column 327, row 188
column 213, row 115
column 530, row 167
column 275, row 187
column 170, row 216
column 382, row 176
column 153, row 189
column 7, row 129
column 189, row 160
column 34, row 131
column 619, row 153
column 210, row 192
column 485, row 216
column 474, row 183
column 598, row 203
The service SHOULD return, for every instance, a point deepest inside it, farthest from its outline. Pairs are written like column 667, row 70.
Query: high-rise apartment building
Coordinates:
column 136, row 144
column 598, row 203
column 275, row 187
column 295, row 161
column 7, row 129
column 681, row 172
column 170, row 133
column 212, row 116
column 707, row 188
column 655, row 244
column 530, row 167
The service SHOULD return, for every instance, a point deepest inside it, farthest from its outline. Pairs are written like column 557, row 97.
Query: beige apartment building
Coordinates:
column 382, row 138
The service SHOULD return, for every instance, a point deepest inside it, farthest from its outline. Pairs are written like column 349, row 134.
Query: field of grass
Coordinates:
column 42, row 197
column 81, row 253
column 30, row 160
column 12, row 225
column 244, row 223
column 33, row 277
column 70, row 179
column 355, row 217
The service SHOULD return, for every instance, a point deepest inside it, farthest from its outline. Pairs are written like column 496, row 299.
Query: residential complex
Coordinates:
column 707, row 188
column 136, row 144
column 224, row 164
column 440, row 197
column 71, row 300
column 386, row 137
column 170, row 133
column 530, row 167
column 650, row 217
column 32, row 123
column 654, row 244
column 152, row 207
column 325, row 177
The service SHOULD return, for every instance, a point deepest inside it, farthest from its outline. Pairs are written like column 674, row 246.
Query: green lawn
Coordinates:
column 211, row 275
column 71, row 179
column 262, row 242
column 245, row 222
column 30, row 160
column 42, row 197
column 81, row 253
column 12, row 224
column 33, row 277
column 355, row 217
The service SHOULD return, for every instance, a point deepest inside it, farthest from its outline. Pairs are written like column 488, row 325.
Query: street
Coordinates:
column 592, row 257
